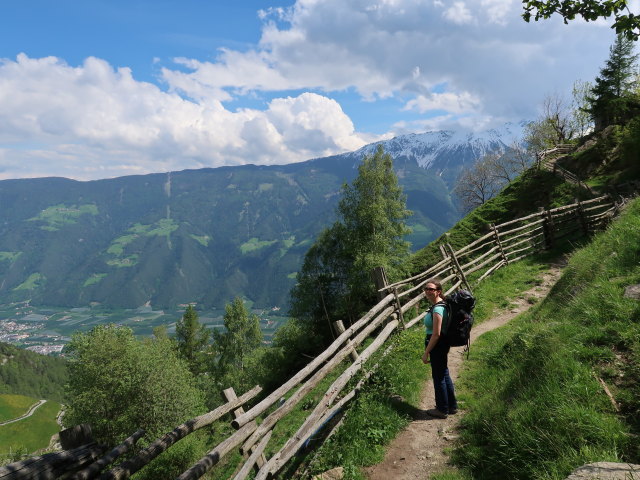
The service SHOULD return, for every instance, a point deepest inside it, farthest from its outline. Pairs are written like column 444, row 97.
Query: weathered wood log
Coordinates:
column 427, row 272
column 276, row 462
column 129, row 467
column 213, row 457
column 490, row 271
column 479, row 258
column 340, row 328
column 76, row 436
column 230, row 395
column 486, row 262
column 529, row 239
column 507, row 241
column 497, row 239
column 473, row 244
column 94, row 469
column 251, row 462
column 269, row 422
column 483, row 246
column 413, row 302
column 52, row 465
column 398, row 306
column 522, row 227
column 311, row 367
column 458, row 269
column 516, row 220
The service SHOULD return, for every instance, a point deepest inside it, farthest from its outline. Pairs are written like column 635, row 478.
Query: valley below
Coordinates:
column 46, row 330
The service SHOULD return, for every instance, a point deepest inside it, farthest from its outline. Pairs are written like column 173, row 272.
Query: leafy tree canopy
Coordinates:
column 625, row 22
column 119, row 384
column 233, row 346
column 334, row 281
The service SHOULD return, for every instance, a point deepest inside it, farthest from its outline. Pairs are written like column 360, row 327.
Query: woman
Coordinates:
column 436, row 352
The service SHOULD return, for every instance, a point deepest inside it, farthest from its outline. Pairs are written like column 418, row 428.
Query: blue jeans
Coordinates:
column 442, row 383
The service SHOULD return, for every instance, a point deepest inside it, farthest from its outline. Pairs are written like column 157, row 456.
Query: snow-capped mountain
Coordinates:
column 446, row 151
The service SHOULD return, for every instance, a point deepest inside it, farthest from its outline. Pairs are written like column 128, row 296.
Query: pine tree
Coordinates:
column 191, row 337
column 335, row 278
column 612, row 96
column 242, row 335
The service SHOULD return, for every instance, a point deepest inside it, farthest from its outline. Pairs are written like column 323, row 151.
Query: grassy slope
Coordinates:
column 32, row 433
column 536, row 408
column 12, row 406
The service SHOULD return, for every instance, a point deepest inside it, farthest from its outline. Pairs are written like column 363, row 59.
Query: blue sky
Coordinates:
column 95, row 89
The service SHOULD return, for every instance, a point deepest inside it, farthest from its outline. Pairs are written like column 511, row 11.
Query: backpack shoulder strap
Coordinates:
column 445, row 321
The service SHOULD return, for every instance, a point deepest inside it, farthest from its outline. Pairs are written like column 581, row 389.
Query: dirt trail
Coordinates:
column 419, row 450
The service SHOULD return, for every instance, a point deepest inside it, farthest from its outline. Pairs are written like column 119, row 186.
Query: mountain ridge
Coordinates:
column 198, row 235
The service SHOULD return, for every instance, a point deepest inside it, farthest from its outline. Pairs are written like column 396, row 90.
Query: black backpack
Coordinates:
column 457, row 331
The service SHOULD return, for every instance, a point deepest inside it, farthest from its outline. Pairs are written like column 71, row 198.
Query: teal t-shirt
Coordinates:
column 428, row 317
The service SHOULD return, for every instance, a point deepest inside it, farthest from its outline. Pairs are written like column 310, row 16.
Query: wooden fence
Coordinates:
column 503, row 244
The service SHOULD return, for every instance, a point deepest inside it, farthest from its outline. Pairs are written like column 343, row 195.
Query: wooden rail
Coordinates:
column 505, row 243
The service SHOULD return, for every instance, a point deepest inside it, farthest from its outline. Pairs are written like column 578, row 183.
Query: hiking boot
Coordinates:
column 434, row 412
column 453, row 411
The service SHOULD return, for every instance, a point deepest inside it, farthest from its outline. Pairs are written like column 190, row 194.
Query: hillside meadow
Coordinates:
column 30, row 434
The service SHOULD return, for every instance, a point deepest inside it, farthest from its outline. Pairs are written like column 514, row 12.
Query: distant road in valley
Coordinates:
column 32, row 409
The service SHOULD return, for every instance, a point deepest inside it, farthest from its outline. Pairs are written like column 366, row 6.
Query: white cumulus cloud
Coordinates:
column 92, row 121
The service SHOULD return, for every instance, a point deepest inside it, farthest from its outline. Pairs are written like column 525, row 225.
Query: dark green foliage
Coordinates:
column 28, row 373
column 119, row 384
column 233, row 346
column 613, row 98
column 626, row 24
column 192, row 337
column 335, row 279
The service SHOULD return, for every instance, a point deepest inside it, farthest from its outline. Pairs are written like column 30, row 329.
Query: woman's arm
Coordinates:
column 437, row 327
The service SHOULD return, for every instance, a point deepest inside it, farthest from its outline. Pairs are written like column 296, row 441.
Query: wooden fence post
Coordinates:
column 497, row 237
column 583, row 221
column 399, row 308
column 379, row 277
column 547, row 228
column 340, row 328
column 458, row 268
column 230, row 395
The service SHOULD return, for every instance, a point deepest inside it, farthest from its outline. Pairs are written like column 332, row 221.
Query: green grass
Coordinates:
column 9, row 256
column 12, row 406
column 536, row 409
column 95, row 278
column 202, row 239
column 32, row 433
column 163, row 227
column 57, row 216
column 31, row 283
column 255, row 244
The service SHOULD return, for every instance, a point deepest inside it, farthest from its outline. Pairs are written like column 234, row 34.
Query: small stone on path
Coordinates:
column 606, row 471
column 632, row 291
column 333, row 474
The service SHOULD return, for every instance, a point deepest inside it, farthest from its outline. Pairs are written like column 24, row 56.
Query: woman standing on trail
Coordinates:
column 436, row 351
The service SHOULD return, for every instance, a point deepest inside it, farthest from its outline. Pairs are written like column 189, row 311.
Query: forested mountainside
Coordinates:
column 28, row 373
column 205, row 235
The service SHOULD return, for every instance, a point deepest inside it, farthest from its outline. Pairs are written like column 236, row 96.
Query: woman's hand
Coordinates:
column 425, row 358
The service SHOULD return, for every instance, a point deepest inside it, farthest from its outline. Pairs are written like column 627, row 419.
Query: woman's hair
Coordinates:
column 435, row 281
